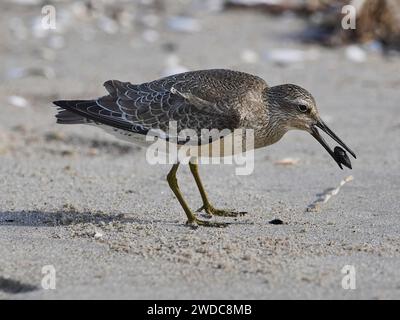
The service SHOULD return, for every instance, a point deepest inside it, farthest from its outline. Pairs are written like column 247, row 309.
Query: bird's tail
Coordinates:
column 67, row 113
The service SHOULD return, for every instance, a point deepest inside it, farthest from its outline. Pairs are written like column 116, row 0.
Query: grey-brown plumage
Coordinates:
column 206, row 99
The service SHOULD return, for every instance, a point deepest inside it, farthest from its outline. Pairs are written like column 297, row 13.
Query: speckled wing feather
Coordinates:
column 207, row 99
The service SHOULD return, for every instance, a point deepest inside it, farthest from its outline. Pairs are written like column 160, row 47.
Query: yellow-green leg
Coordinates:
column 207, row 206
column 192, row 220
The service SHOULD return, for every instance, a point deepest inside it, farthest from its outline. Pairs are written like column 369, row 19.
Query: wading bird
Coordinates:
column 205, row 99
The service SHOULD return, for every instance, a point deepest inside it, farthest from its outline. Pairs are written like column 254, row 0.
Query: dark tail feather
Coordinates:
column 88, row 111
column 67, row 117
column 66, row 114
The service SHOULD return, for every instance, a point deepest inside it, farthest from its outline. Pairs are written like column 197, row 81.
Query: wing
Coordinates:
column 208, row 99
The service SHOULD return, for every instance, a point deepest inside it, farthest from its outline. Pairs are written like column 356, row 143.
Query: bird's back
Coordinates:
column 204, row 99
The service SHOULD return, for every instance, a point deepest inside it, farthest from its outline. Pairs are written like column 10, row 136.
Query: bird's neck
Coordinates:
column 277, row 122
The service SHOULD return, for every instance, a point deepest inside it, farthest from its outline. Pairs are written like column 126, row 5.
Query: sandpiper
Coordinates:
column 205, row 99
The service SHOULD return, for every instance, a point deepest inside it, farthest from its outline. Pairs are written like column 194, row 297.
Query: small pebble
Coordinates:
column 287, row 161
column 276, row 221
column 93, row 152
column 184, row 24
column 17, row 101
column 356, row 54
column 289, row 56
column 98, row 235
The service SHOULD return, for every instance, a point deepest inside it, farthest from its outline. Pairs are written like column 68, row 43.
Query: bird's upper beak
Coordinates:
column 339, row 155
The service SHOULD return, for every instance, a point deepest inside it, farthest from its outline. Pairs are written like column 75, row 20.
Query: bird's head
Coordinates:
column 295, row 108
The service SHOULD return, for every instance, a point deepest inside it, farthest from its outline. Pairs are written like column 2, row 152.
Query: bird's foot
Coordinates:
column 194, row 224
column 221, row 212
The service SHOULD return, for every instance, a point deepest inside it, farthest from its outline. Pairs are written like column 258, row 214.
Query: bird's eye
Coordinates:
column 302, row 108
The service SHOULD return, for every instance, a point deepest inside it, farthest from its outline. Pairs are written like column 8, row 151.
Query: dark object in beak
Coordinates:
column 339, row 155
column 342, row 156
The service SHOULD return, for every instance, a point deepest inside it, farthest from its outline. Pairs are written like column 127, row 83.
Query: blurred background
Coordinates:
column 57, row 177
column 67, row 49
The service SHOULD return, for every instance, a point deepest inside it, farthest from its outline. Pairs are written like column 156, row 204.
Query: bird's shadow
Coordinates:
column 34, row 218
column 67, row 217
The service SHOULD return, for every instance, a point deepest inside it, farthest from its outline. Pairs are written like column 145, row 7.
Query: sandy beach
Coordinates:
column 91, row 206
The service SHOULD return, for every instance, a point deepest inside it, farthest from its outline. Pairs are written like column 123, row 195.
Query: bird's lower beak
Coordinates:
column 339, row 155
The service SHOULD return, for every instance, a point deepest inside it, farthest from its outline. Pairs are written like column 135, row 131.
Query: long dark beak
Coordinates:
column 339, row 155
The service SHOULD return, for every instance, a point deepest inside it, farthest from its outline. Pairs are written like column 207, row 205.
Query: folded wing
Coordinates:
column 193, row 100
